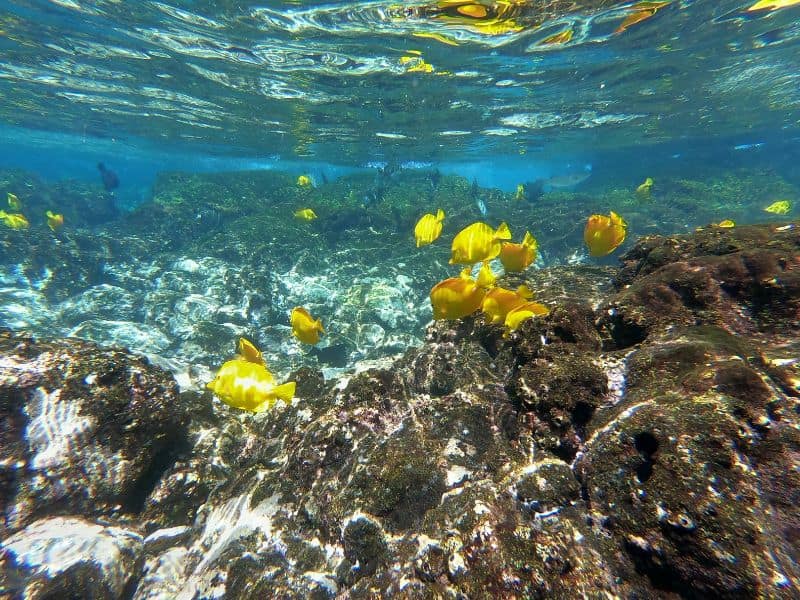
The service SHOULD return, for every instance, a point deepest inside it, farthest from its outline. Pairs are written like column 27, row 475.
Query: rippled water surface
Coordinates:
column 357, row 81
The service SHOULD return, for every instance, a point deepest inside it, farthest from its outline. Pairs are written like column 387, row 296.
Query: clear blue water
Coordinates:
column 149, row 86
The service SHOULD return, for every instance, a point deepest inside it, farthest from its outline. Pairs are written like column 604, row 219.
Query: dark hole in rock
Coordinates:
column 645, row 443
column 626, row 333
column 136, row 496
column 582, row 413
column 644, row 471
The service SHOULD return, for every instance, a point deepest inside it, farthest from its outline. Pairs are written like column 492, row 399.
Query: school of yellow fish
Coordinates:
column 246, row 383
column 18, row 221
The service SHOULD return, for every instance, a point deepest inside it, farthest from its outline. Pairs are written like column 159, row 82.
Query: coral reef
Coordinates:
column 641, row 441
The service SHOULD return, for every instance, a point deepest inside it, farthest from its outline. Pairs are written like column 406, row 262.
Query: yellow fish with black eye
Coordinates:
column 305, row 328
column 13, row 202
column 603, row 234
column 478, row 243
column 54, row 221
column 429, row 228
column 305, row 214
column 250, row 386
column 14, row 220
column 644, row 189
column 518, row 257
column 457, row 297
column 304, row 181
column 726, row 224
column 780, row 207
column 498, row 302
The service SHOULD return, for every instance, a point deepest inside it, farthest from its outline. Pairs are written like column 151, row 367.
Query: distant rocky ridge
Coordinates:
column 640, row 441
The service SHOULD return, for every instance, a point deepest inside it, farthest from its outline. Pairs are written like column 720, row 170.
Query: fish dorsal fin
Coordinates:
column 503, row 232
column 529, row 241
column 248, row 351
column 440, row 215
column 485, row 276
column 524, row 291
column 617, row 220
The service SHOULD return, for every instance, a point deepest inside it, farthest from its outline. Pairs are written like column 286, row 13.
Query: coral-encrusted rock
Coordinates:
column 85, row 431
column 69, row 558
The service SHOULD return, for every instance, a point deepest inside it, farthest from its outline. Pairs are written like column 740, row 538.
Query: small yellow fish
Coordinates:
column 304, row 327
column 603, row 234
column 772, row 4
column 478, row 242
column 726, row 224
column 429, row 228
column 14, row 220
column 520, row 195
column 517, row 315
column 518, row 257
column 305, row 214
column 498, row 302
column 644, row 189
column 250, row 386
column 247, row 351
column 780, row 207
column 13, row 202
column 54, row 221
column 456, row 297
column 304, row 181
column 416, row 64
column 641, row 12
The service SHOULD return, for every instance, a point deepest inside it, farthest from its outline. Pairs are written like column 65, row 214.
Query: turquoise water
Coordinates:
column 178, row 179
column 236, row 85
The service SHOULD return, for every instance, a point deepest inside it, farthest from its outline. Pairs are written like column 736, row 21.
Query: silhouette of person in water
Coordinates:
column 110, row 179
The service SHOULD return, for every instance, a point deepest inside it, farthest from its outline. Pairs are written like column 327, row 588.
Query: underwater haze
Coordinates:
column 454, row 299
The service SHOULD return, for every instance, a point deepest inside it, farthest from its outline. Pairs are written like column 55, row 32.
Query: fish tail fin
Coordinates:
column 503, row 232
column 285, row 391
column 3, row 214
column 440, row 215
column 529, row 241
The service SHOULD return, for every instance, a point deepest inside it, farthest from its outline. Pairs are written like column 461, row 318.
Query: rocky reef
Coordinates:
column 640, row 441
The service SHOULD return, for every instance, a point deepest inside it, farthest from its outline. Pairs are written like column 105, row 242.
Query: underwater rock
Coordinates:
column 69, row 557
column 88, row 431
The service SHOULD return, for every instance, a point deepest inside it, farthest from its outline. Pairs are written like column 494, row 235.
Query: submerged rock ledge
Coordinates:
column 640, row 444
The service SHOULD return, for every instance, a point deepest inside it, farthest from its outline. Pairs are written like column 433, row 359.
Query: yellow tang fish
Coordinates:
column 429, row 228
column 305, row 214
column 518, row 257
column 304, row 181
column 250, row 386
column 603, row 234
column 457, row 297
column 478, row 242
column 54, row 221
column 726, row 224
column 247, row 351
column 13, row 202
column 781, row 207
column 517, row 315
column 520, row 195
column 14, row 220
column 304, row 327
column 644, row 189
column 498, row 302
column 772, row 4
